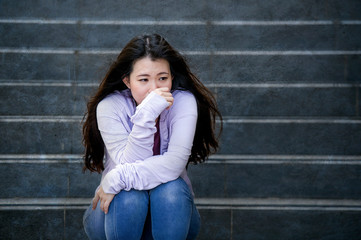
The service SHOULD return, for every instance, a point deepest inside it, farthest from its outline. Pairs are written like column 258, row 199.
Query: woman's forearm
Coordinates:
column 125, row 147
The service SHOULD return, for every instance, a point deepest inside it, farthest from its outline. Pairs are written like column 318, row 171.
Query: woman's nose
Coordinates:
column 153, row 85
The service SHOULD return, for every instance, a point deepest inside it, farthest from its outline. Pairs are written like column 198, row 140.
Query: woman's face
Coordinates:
column 148, row 75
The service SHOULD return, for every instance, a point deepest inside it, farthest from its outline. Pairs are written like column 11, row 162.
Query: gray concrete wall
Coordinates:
column 287, row 76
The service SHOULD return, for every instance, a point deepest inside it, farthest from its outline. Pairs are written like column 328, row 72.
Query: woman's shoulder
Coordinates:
column 183, row 94
column 184, row 100
column 118, row 101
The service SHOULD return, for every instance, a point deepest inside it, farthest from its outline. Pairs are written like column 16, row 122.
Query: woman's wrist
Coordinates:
column 109, row 185
column 150, row 109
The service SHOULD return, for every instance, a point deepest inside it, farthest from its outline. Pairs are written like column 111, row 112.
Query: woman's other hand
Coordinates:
column 166, row 94
column 105, row 200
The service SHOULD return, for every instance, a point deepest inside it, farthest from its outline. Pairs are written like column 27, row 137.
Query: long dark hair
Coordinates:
column 156, row 47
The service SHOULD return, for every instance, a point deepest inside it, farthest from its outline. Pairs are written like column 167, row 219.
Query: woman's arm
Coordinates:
column 125, row 145
column 159, row 169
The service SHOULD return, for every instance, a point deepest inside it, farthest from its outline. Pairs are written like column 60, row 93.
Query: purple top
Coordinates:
column 128, row 135
column 156, row 147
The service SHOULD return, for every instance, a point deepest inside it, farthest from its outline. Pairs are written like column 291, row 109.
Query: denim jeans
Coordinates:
column 165, row 212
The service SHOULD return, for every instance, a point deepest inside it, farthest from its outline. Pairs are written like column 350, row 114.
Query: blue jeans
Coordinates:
column 165, row 212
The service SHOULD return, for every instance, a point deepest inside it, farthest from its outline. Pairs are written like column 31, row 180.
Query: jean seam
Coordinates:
column 85, row 219
column 114, row 221
column 185, row 190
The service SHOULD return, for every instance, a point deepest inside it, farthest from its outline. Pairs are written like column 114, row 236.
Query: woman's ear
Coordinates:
column 126, row 81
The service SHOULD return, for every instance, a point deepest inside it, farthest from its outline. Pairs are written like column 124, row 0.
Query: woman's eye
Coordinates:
column 163, row 78
column 143, row 80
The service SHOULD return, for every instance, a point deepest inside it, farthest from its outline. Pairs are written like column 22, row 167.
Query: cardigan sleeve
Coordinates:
column 125, row 145
column 155, row 170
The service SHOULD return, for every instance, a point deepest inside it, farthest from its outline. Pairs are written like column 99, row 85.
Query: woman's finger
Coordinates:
column 170, row 100
column 102, row 204
column 164, row 89
column 106, row 206
column 95, row 201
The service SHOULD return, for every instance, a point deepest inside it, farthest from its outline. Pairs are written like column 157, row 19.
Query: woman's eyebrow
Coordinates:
column 147, row 75
column 143, row 75
column 163, row 73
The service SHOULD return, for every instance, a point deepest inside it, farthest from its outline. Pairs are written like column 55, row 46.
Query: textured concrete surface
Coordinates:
column 287, row 77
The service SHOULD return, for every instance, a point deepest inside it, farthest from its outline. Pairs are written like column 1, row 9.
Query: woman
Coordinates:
column 149, row 118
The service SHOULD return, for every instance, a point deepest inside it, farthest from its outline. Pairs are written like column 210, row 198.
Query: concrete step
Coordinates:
column 295, row 101
column 213, row 9
column 254, row 136
column 221, row 219
column 268, row 67
column 252, row 67
column 205, row 37
column 270, row 176
column 56, row 178
column 69, row 98
column 60, row 176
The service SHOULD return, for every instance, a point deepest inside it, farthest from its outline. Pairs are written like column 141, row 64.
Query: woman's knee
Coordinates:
column 127, row 214
column 171, row 191
column 128, row 203
column 131, row 199
column 93, row 222
column 171, row 210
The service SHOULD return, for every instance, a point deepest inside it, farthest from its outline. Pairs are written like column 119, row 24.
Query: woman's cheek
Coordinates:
column 139, row 99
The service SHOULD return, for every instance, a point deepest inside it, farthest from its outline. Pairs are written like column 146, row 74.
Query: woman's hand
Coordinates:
column 166, row 94
column 105, row 200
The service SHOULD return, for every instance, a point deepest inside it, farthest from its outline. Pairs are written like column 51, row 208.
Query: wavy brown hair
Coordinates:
column 156, row 47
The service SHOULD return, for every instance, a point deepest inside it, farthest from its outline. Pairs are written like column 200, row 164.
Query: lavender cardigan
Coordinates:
column 128, row 135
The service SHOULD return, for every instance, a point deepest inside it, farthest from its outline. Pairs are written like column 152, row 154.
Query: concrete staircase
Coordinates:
column 287, row 75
